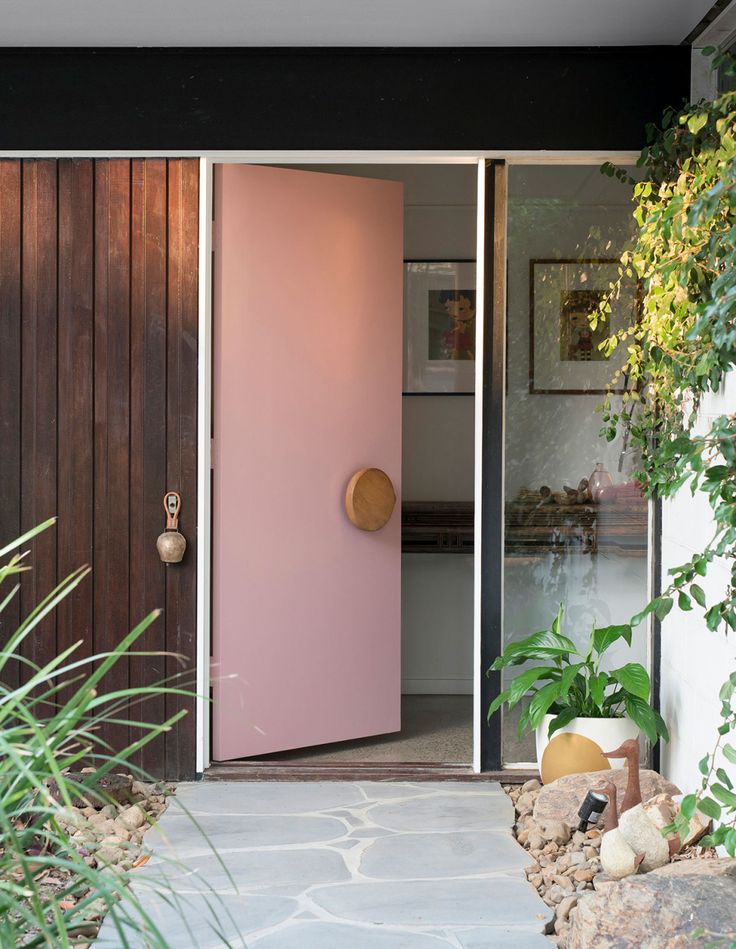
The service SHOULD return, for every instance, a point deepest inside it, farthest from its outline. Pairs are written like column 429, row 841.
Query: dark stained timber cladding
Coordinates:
column 181, row 453
column 38, row 395
column 112, row 419
column 148, row 431
column 98, row 398
column 478, row 99
column 10, row 378
column 75, row 494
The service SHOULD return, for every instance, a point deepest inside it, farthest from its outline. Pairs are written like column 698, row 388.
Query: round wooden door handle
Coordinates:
column 370, row 499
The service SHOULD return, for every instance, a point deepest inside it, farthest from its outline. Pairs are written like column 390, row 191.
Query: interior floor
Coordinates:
column 434, row 728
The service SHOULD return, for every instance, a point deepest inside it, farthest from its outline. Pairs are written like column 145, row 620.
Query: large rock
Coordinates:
column 556, row 832
column 561, row 799
column 661, row 909
column 116, row 787
column 662, row 810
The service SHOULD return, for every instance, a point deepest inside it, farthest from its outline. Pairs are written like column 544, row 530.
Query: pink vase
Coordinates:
column 598, row 481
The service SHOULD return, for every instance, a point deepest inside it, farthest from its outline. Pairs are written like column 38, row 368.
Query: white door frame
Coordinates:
column 207, row 159
column 204, row 388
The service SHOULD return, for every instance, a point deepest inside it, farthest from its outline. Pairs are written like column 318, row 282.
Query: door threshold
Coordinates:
column 418, row 771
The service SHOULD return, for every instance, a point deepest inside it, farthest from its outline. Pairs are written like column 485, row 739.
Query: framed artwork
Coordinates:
column 563, row 348
column 439, row 327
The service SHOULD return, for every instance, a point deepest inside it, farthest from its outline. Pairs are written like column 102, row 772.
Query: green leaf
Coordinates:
column 683, row 601
column 660, row 607
column 564, row 718
column 709, row 807
column 542, row 701
column 496, row 704
column 724, row 795
column 701, row 568
column 663, row 606
column 729, row 752
column 697, row 593
column 607, row 635
column 649, row 608
column 713, row 617
column 730, row 842
column 687, row 807
column 726, row 691
column 696, row 122
column 522, row 683
column 661, row 726
column 542, row 645
column 29, row 535
column 523, row 723
column 704, row 765
column 642, row 715
column 634, row 678
column 568, row 675
column 597, row 685
column 717, row 472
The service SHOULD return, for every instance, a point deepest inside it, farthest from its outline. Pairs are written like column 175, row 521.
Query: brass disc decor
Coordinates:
column 370, row 499
column 571, row 754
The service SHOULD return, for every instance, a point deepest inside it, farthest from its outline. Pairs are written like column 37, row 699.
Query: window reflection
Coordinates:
column 576, row 525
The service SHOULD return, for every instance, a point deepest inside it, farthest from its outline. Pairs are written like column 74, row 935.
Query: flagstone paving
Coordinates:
column 338, row 866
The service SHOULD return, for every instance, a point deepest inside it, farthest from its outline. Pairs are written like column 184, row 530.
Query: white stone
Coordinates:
column 132, row 817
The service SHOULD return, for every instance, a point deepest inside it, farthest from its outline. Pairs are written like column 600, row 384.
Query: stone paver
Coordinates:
column 458, row 812
column 422, row 856
column 338, row 866
column 511, row 938
column 186, row 837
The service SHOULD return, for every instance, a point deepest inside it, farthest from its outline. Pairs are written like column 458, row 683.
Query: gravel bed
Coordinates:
column 105, row 836
column 566, row 860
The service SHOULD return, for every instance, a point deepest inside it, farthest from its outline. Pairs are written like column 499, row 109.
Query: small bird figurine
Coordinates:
column 636, row 828
column 618, row 859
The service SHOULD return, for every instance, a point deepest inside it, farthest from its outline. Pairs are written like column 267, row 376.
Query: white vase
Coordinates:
column 607, row 733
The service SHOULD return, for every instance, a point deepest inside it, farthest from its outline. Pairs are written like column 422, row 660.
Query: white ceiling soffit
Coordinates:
column 720, row 30
column 348, row 22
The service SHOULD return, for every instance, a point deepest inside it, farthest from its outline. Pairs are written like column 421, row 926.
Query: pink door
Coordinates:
column 307, row 390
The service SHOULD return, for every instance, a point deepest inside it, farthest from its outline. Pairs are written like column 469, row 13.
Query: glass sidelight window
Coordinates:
column 576, row 526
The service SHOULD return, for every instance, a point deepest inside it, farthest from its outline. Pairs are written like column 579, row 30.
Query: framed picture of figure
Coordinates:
column 564, row 350
column 439, row 327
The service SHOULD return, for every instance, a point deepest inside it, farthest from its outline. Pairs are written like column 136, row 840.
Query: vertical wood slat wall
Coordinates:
column 98, row 393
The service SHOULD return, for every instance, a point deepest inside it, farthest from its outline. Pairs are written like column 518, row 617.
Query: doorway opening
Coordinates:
column 436, row 502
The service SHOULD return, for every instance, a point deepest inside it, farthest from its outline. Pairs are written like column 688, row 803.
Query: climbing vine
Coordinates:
column 681, row 349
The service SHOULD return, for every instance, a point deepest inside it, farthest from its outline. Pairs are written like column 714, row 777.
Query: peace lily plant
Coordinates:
column 568, row 687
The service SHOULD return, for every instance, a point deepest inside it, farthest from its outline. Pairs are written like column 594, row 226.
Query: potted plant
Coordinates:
column 571, row 693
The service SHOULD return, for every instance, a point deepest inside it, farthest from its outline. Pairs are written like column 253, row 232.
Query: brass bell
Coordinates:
column 171, row 544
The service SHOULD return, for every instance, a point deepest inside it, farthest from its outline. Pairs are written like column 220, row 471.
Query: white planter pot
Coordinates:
column 607, row 733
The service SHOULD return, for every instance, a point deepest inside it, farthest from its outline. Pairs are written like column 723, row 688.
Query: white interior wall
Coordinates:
column 438, row 440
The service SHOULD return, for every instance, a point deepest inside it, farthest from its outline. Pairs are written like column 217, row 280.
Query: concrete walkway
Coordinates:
column 339, row 866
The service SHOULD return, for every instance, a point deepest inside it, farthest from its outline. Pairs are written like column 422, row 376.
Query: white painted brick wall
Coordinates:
column 695, row 661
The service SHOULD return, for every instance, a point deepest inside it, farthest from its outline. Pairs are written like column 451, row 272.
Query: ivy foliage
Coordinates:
column 682, row 348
